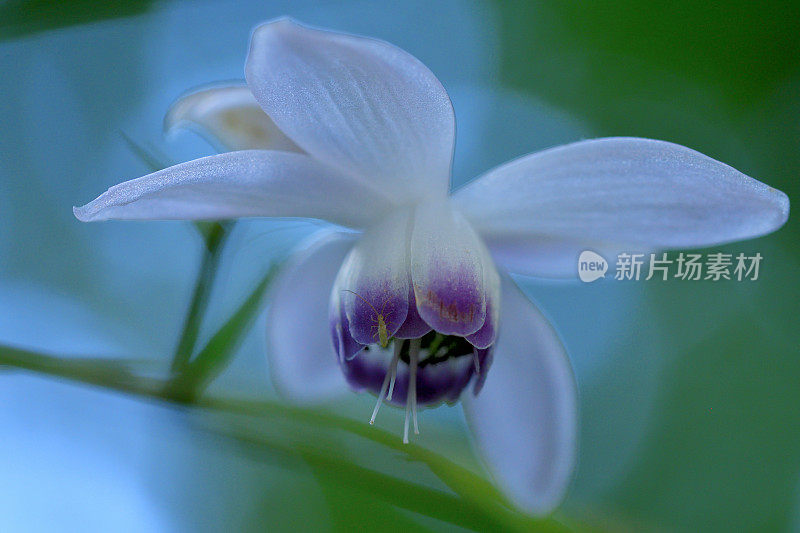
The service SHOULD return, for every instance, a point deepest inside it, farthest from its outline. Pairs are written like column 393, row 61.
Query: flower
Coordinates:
column 359, row 133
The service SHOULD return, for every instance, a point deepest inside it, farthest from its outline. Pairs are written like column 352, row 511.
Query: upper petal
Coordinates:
column 249, row 183
column 302, row 358
column 525, row 418
column 361, row 105
column 229, row 117
column 542, row 210
column 452, row 274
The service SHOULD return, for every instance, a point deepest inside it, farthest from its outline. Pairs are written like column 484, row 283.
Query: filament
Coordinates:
column 411, row 399
column 391, row 371
column 394, row 369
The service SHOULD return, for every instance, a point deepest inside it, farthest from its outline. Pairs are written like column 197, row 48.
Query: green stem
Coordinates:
column 215, row 235
column 434, row 347
column 405, row 494
column 196, row 374
column 464, row 482
column 150, row 156
column 108, row 374
column 467, row 484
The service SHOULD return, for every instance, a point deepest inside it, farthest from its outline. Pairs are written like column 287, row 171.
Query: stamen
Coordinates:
column 405, row 427
column 413, row 352
column 411, row 398
column 398, row 347
column 392, row 370
column 477, row 361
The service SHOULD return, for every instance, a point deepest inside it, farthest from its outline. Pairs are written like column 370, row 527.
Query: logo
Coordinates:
column 591, row 266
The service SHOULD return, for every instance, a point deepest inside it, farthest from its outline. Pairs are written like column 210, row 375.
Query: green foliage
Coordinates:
column 475, row 504
column 19, row 18
column 721, row 449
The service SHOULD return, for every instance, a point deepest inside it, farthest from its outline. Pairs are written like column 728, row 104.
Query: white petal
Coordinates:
column 525, row 418
column 229, row 117
column 359, row 104
column 452, row 273
column 615, row 194
column 374, row 278
column 249, row 183
column 303, row 362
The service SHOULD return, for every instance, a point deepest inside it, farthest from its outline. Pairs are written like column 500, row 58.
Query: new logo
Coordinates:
column 591, row 266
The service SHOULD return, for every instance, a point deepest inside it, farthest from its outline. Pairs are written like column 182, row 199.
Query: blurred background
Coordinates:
column 689, row 390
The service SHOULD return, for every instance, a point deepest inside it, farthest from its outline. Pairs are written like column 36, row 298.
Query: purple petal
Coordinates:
column 373, row 280
column 413, row 327
column 452, row 272
column 485, row 337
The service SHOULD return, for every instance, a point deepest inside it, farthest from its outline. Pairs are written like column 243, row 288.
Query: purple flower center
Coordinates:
column 427, row 370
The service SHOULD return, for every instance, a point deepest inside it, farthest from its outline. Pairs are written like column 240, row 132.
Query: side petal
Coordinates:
column 524, row 419
column 361, row 105
column 615, row 194
column 373, row 283
column 229, row 118
column 452, row 274
column 302, row 358
column 249, row 183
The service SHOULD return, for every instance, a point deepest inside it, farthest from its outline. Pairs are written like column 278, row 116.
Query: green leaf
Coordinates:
column 352, row 509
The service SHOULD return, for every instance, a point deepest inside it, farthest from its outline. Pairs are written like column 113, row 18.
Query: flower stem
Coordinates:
column 196, row 374
column 215, row 234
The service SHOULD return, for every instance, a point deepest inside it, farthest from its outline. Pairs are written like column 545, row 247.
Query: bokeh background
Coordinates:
column 689, row 390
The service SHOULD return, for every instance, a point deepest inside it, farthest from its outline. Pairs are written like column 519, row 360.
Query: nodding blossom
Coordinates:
column 411, row 306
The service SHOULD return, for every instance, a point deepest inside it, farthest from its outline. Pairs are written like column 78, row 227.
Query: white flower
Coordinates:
column 359, row 133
